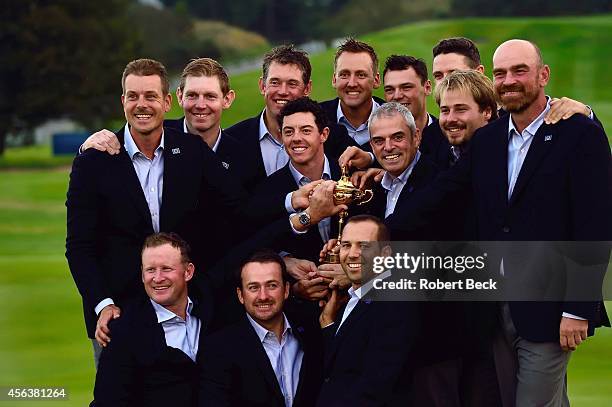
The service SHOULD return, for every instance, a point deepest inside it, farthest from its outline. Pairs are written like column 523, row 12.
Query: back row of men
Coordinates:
column 541, row 171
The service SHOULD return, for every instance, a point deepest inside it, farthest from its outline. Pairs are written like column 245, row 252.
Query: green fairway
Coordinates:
column 42, row 335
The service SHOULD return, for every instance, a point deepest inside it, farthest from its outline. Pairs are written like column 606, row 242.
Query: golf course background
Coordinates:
column 42, row 336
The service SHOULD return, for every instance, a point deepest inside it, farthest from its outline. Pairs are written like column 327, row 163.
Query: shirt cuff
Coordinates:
column 102, row 304
column 590, row 116
column 288, row 206
column 81, row 146
column 295, row 231
column 572, row 316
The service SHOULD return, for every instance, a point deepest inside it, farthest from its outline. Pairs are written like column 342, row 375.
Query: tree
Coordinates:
column 61, row 58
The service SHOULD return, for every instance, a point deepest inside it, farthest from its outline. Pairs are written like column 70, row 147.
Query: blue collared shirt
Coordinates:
column 356, row 294
column 302, row 180
column 285, row 357
column 182, row 334
column 395, row 185
column 150, row 174
column 273, row 152
column 215, row 146
column 360, row 134
column 518, row 146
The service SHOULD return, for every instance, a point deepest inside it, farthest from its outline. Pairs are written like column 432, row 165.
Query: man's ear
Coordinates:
column 376, row 80
column 167, row 102
column 487, row 113
column 544, row 75
column 189, row 271
column 262, row 85
column 228, row 99
column 179, row 96
column 308, row 88
column 324, row 134
column 427, row 86
column 239, row 293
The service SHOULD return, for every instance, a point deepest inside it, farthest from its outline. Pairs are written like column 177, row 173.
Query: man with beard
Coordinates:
column 459, row 53
column 531, row 181
column 268, row 358
column 467, row 102
column 367, row 343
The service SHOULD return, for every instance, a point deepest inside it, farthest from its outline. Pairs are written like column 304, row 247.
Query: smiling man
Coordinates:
column 151, row 360
column 405, row 82
column 154, row 184
column 304, row 128
column 355, row 78
column 467, row 102
column 285, row 77
column 367, row 343
column 268, row 358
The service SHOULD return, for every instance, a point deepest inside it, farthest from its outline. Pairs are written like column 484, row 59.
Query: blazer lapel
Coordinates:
column 498, row 167
column 262, row 361
column 131, row 184
column 542, row 141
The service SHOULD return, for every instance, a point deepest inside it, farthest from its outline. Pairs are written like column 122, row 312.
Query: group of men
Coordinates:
column 226, row 230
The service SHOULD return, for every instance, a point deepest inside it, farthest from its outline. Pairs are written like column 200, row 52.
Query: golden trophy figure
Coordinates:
column 345, row 193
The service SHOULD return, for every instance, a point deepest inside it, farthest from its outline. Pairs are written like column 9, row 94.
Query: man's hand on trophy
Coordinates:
column 322, row 202
column 328, row 247
column 299, row 198
column 366, row 179
column 299, row 268
column 354, row 157
column 312, row 288
column 335, row 275
column 103, row 140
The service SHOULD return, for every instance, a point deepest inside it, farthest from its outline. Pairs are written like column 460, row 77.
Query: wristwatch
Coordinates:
column 304, row 218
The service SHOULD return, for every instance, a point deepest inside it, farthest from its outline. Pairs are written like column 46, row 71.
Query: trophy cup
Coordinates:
column 345, row 193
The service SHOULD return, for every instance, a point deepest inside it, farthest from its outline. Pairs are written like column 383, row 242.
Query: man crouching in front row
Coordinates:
column 151, row 360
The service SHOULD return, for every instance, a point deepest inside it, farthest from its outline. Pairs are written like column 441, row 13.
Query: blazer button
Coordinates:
column 326, row 380
column 506, row 229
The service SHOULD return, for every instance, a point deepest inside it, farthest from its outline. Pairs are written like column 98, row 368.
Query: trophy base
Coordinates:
column 332, row 258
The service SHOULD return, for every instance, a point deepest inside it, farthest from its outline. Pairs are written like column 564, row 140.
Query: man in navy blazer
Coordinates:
column 268, row 358
column 156, row 183
column 355, row 78
column 367, row 343
column 531, row 181
column 204, row 93
column 285, row 77
column 151, row 360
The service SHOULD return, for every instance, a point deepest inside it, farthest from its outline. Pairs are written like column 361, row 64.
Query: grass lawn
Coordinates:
column 42, row 335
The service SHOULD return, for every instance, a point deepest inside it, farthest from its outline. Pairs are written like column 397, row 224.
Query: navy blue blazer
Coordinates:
column 230, row 151
column 139, row 369
column 330, row 107
column 247, row 133
column 108, row 218
column 270, row 194
column 563, row 193
column 366, row 361
column 235, row 369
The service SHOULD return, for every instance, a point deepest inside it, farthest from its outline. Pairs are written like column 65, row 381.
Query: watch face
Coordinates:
column 304, row 219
